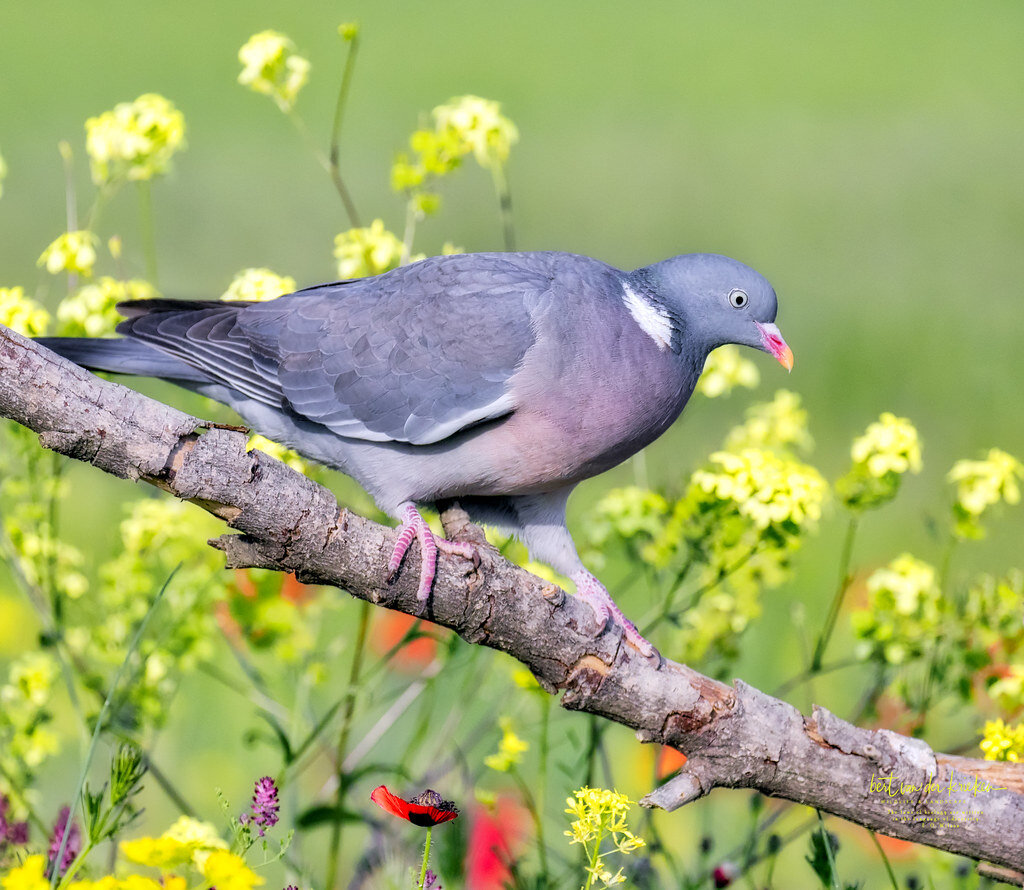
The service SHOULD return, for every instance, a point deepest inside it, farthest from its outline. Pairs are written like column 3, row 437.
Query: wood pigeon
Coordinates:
column 501, row 380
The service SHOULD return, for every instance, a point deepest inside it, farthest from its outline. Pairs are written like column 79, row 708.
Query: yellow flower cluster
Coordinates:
column 367, row 251
column 889, row 448
column 272, row 66
column 510, row 749
column 73, row 252
column 25, row 739
column 780, row 425
column 904, row 613
column 981, row 484
column 767, row 489
column 890, row 445
column 187, row 842
column 462, row 126
column 135, row 141
column 726, row 369
column 479, row 127
column 21, row 313
column 598, row 814
column 258, row 285
column 1003, row 742
column 92, row 310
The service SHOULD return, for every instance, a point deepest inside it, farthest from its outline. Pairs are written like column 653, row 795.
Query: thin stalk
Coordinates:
column 426, row 859
column 411, row 218
column 837, row 600
column 542, row 779
column 501, row 189
column 346, row 726
column 593, row 861
column 828, row 850
column 325, row 162
column 334, row 154
column 146, row 228
column 538, row 822
column 885, row 860
column 56, row 877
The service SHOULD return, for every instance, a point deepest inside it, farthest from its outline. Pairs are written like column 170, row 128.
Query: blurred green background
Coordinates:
column 867, row 157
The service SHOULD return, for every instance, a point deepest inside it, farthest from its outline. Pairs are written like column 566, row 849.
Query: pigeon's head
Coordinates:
column 717, row 301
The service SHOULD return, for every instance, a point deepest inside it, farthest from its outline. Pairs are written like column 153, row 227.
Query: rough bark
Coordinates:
column 734, row 736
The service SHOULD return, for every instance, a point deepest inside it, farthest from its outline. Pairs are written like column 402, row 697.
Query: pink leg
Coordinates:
column 415, row 526
column 593, row 592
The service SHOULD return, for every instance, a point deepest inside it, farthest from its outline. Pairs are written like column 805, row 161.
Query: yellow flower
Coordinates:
column 22, row 314
column 600, row 814
column 30, row 680
column 348, row 31
column 92, row 310
column 134, row 141
column 272, row 67
column 30, row 875
column 765, row 488
column 258, row 285
column 367, row 251
column 726, row 369
column 510, row 749
column 890, row 445
column 1003, row 742
column 479, row 126
column 3, row 174
column 134, row 882
column 889, row 448
column 780, row 424
column 73, row 252
column 159, row 852
column 981, row 484
column 226, row 871
column 905, row 611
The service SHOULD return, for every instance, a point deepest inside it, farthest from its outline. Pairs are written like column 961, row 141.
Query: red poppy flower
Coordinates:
column 425, row 810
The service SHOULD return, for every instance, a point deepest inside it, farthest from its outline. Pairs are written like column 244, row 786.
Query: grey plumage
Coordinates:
column 499, row 379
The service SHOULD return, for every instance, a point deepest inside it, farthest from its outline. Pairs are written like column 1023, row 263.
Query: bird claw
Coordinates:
column 594, row 593
column 415, row 527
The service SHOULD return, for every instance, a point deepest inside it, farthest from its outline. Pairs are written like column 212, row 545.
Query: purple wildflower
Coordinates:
column 431, row 881
column 264, row 806
column 74, row 842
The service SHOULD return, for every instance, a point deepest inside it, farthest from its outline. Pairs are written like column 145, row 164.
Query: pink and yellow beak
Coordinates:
column 772, row 342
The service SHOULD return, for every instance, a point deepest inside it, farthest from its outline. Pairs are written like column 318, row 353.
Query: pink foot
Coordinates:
column 415, row 526
column 593, row 592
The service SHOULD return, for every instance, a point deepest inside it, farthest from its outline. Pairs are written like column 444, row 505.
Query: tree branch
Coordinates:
column 734, row 736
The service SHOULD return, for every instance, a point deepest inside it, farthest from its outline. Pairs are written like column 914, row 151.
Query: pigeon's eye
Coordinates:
column 738, row 299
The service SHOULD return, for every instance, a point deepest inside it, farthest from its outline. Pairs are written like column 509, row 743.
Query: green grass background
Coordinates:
column 867, row 157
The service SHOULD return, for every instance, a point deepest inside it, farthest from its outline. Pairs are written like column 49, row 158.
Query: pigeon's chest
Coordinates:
column 588, row 403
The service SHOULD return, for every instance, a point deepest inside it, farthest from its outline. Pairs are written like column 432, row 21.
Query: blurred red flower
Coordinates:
column 388, row 630
column 492, row 837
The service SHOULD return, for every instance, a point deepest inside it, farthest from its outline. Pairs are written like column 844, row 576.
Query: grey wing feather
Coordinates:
column 414, row 356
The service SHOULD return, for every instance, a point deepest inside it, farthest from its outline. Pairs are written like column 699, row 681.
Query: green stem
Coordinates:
column 76, row 801
column 334, row 154
column 426, row 859
column 411, row 218
column 837, row 600
column 146, row 226
column 542, row 782
column 538, row 822
column 325, row 162
column 504, row 205
column 346, row 725
column 885, row 860
column 594, row 857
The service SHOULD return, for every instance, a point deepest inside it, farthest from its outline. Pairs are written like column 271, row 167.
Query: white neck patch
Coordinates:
column 653, row 319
